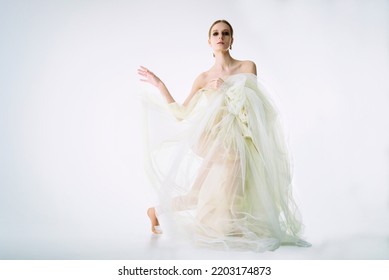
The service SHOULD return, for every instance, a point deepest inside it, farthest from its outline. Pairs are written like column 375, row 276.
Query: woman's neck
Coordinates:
column 223, row 62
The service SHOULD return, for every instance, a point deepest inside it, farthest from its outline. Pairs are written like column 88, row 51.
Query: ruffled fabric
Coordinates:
column 221, row 167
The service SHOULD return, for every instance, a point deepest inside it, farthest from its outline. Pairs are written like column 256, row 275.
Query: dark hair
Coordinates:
column 218, row 21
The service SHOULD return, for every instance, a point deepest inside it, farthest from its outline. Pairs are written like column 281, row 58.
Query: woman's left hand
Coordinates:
column 215, row 84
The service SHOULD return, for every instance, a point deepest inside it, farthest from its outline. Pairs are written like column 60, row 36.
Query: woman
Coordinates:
column 228, row 171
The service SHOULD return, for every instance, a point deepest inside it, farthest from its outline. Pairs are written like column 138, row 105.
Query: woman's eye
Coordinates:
column 215, row 33
column 226, row 33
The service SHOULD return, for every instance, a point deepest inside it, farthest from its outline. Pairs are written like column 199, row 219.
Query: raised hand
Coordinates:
column 149, row 77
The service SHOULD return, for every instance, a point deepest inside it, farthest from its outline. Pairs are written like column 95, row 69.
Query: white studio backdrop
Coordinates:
column 71, row 151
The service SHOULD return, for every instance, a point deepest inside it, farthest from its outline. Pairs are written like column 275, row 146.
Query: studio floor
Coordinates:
column 48, row 244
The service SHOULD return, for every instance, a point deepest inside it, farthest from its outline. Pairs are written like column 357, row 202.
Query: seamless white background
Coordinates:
column 72, row 182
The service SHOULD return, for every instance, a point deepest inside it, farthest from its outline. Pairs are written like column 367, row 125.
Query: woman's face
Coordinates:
column 220, row 38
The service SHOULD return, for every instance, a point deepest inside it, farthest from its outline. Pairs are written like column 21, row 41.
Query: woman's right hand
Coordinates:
column 149, row 77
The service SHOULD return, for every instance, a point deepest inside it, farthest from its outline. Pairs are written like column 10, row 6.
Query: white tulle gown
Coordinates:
column 221, row 167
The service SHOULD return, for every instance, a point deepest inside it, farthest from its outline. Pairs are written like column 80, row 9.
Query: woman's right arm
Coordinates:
column 201, row 82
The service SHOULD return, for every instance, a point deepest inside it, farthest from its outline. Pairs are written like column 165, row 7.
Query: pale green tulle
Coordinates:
column 222, row 163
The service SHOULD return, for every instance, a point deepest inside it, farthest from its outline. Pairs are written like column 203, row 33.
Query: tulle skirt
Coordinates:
column 221, row 167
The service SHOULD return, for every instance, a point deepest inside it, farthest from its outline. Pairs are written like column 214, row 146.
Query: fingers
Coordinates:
column 215, row 83
column 147, row 76
column 143, row 71
column 218, row 80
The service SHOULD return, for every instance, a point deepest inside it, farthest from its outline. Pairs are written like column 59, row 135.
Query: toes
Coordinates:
column 156, row 230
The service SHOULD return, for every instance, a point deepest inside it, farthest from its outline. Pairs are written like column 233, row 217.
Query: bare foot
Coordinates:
column 155, row 228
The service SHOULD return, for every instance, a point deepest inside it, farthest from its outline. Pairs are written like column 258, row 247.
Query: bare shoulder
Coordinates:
column 204, row 78
column 249, row 66
column 200, row 81
column 198, row 84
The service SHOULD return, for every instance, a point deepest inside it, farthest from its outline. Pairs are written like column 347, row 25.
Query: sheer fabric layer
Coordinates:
column 223, row 165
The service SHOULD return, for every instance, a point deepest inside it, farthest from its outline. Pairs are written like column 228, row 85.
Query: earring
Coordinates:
column 230, row 47
column 213, row 54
